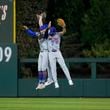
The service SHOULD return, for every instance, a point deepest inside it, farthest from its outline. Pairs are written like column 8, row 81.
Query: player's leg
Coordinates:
column 50, row 78
column 52, row 61
column 40, row 74
column 44, row 65
column 64, row 68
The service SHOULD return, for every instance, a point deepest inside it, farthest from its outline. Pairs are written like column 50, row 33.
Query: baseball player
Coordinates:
column 43, row 55
column 45, row 32
column 55, row 54
column 42, row 59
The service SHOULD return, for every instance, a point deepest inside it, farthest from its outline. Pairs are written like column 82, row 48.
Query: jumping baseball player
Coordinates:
column 43, row 55
column 45, row 59
column 55, row 54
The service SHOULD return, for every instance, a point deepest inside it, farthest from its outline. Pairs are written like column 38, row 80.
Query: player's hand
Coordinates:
column 43, row 14
column 24, row 27
column 49, row 25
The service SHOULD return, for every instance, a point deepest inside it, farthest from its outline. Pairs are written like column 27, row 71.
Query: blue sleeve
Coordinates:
column 31, row 33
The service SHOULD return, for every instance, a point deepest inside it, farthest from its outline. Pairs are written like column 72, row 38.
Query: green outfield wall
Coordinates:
column 8, row 69
column 81, row 88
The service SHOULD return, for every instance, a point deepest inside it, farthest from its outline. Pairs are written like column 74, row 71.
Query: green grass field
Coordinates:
column 54, row 103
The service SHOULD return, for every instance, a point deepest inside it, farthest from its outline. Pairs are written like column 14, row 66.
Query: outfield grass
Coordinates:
column 54, row 103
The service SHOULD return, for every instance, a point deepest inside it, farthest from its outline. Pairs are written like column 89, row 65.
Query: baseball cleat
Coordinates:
column 56, row 85
column 40, row 86
column 70, row 82
column 49, row 82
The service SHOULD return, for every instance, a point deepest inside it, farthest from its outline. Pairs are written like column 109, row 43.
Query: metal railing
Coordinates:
column 91, row 61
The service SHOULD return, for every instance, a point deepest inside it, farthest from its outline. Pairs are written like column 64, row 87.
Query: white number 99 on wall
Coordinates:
column 5, row 54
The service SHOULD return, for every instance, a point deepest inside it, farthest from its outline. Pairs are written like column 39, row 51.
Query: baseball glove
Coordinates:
column 61, row 22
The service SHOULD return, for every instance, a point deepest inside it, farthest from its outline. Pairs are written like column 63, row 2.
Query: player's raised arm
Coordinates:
column 40, row 22
column 43, row 27
column 63, row 31
column 41, row 15
column 31, row 33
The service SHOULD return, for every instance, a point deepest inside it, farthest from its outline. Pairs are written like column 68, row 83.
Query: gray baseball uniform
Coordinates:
column 56, row 56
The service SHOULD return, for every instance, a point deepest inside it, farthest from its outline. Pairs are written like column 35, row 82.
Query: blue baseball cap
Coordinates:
column 52, row 31
column 43, row 27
